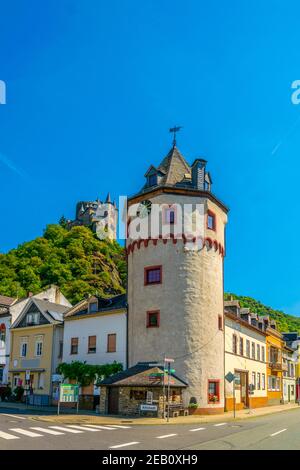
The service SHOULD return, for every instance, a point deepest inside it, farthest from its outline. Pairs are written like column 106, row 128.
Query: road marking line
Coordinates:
column 121, row 427
column 75, row 426
column 48, row 431
column 25, row 432
column 5, row 435
column 278, row 432
column 166, row 435
column 197, row 429
column 220, row 424
column 61, row 428
column 123, row 445
column 12, row 416
column 99, row 427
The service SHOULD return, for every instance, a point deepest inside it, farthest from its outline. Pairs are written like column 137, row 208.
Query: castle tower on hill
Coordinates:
column 175, row 294
column 102, row 217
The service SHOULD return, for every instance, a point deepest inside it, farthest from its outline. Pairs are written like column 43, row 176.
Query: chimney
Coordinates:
column 29, row 294
column 57, row 295
column 198, row 174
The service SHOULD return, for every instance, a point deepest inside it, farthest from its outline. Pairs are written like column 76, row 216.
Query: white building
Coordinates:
column 245, row 357
column 95, row 331
column 10, row 309
column 289, row 362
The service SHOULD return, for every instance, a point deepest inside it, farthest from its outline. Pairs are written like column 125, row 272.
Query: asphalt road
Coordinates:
column 277, row 431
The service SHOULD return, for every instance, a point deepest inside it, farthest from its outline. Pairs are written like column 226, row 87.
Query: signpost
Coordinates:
column 230, row 377
column 68, row 394
column 146, row 407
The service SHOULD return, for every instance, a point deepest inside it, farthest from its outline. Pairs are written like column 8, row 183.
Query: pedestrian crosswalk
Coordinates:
column 43, row 431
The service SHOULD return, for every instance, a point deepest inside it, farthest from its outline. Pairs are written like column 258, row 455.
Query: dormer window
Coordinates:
column 32, row 318
column 93, row 307
column 152, row 180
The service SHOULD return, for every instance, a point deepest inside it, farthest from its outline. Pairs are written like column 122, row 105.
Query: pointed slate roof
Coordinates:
column 174, row 167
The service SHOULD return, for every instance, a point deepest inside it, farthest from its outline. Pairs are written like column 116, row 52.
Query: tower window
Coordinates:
column 169, row 215
column 213, row 391
column 153, row 319
column 153, row 275
column 211, row 220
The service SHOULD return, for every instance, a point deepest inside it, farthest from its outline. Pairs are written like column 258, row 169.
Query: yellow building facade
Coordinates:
column 275, row 345
column 36, row 348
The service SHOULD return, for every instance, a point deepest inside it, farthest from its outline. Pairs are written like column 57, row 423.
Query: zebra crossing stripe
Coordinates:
column 61, row 428
column 25, row 432
column 83, row 428
column 121, row 427
column 99, row 427
column 48, row 431
column 5, row 435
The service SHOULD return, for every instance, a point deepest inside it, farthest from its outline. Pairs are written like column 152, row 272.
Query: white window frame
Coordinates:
column 39, row 340
column 23, row 342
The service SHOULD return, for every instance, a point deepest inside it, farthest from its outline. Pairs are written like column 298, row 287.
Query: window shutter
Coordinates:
column 111, row 342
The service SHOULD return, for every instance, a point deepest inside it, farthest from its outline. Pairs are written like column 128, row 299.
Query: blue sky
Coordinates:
column 93, row 87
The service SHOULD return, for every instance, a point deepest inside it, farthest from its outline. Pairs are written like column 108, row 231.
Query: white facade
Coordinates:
column 245, row 356
column 289, row 362
column 100, row 325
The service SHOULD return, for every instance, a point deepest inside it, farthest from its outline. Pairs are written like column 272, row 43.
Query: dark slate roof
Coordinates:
column 104, row 305
column 174, row 167
column 119, row 379
column 6, row 301
column 51, row 311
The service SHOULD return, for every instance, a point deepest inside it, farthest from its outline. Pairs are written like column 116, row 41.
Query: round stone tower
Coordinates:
column 175, row 278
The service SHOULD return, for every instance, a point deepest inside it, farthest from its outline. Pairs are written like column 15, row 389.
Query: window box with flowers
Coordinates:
column 213, row 391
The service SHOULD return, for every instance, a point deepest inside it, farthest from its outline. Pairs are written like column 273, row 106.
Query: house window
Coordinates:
column 247, row 348
column 258, row 380
column 138, row 395
column 169, row 215
column 111, row 343
column 23, row 347
column 153, row 319
column 254, row 380
column 258, row 352
column 39, row 345
column 213, row 391
column 241, row 346
column 93, row 307
column 220, row 322
column 253, row 350
column 234, row 344
column 2, row 333
column 74, row 345
column 263, row 353
column 41, row 377
column 61, row 349
column 152, row 180
column 32, row 319
column 263, row 381
column 153, row 275
column 92, row 344
column 211, row 220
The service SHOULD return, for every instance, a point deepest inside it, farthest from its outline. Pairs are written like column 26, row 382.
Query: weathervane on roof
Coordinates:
column 174, row 130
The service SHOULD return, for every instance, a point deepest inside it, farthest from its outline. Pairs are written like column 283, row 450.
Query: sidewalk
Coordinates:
column 92, row 418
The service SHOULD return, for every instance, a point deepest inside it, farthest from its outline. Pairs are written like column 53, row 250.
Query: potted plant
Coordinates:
column 192, row 408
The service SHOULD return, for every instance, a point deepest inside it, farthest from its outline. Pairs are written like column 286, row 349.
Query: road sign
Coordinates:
column 230, row 377
column 168, row 359
column 145, row 407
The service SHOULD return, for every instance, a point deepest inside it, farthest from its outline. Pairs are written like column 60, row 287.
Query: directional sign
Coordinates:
column 230, row 377
column 168, row 359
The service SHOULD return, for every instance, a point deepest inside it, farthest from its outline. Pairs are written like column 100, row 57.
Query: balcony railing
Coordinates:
column 275, row 365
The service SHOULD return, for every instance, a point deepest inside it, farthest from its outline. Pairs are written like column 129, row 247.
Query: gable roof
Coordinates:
column 140, row 376
column 104, row 305
column 52, row 312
